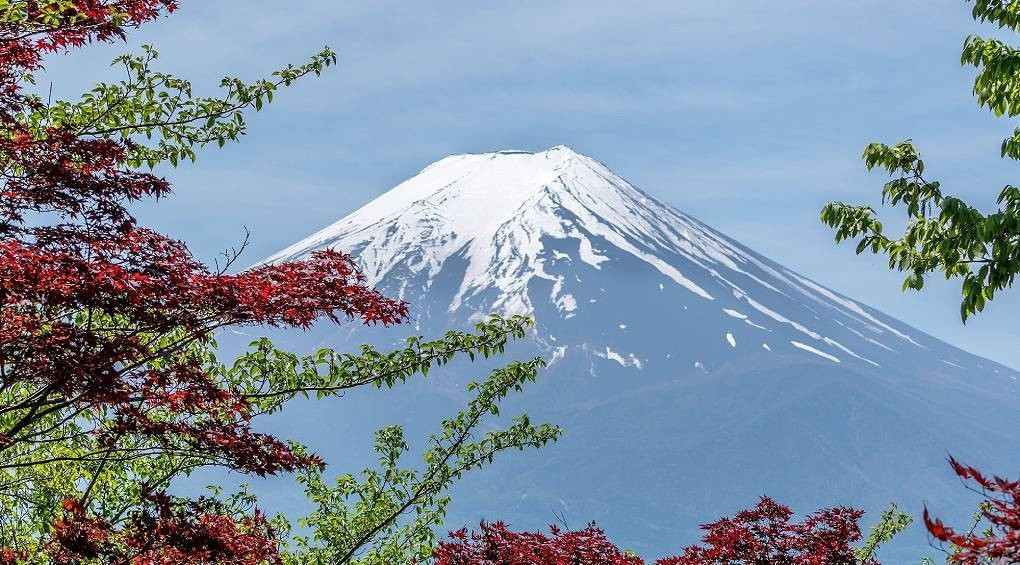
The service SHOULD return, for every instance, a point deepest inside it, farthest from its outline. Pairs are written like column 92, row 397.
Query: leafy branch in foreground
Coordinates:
column 109, row 385
column 890, row 523
column 353, row 512
column 110, row 494
column 944, row 233
column 149, row 103
column 999, row 541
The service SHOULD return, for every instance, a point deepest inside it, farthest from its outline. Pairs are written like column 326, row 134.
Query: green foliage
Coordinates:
column 352, row 513
column 357, row 519
column 281, row 375
column 56, row 14
column 977, row 519
column 943, row 233
column 892, row 522
column 160, row 114
column 1004, row 13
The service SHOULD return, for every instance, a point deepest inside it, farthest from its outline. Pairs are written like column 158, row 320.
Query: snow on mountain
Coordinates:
column 497, row 207
column 505, row 217
column 691, row 374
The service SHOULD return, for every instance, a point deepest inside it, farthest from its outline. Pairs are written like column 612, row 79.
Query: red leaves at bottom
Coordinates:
column 496, row 544
column 1001, row 543
column 763, row 534
column 168, row 531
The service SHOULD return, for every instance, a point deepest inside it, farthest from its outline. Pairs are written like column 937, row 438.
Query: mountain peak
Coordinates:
column 557, row 149
column 495, row 208
column 552, row 233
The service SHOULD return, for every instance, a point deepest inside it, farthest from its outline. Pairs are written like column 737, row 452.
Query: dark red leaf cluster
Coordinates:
column 97, row 314
column 167, row 531
column 10, row 557
column 86, row 298
column 47, row 27
column 1001, row 512
column 497, row 545
column 762, row 535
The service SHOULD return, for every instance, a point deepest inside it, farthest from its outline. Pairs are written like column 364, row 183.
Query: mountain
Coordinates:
column 691, row 374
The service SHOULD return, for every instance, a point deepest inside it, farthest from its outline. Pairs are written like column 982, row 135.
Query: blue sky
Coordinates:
column 749, row 115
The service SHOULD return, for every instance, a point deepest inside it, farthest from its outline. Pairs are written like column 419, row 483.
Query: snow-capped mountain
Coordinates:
column 691, row 373
column 512, row 224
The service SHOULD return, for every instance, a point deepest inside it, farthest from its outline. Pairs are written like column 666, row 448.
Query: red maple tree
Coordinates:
column 496, row 544
column 167, row 532
column 97, row 312
column 763, row 534
column 1000, row 543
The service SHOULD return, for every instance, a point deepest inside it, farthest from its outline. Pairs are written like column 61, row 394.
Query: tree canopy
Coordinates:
column 944, row 233
column 109, row 383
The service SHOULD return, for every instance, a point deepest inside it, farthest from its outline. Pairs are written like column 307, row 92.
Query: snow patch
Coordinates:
column 810, row 349
column 566, row 303
column 752, row 324
column 629, row 361
column 610, row 354
column 880, row 344
column 635, row 361
column 589, row 256
column 837, row 344
column 780, row 318
column 557, row 354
